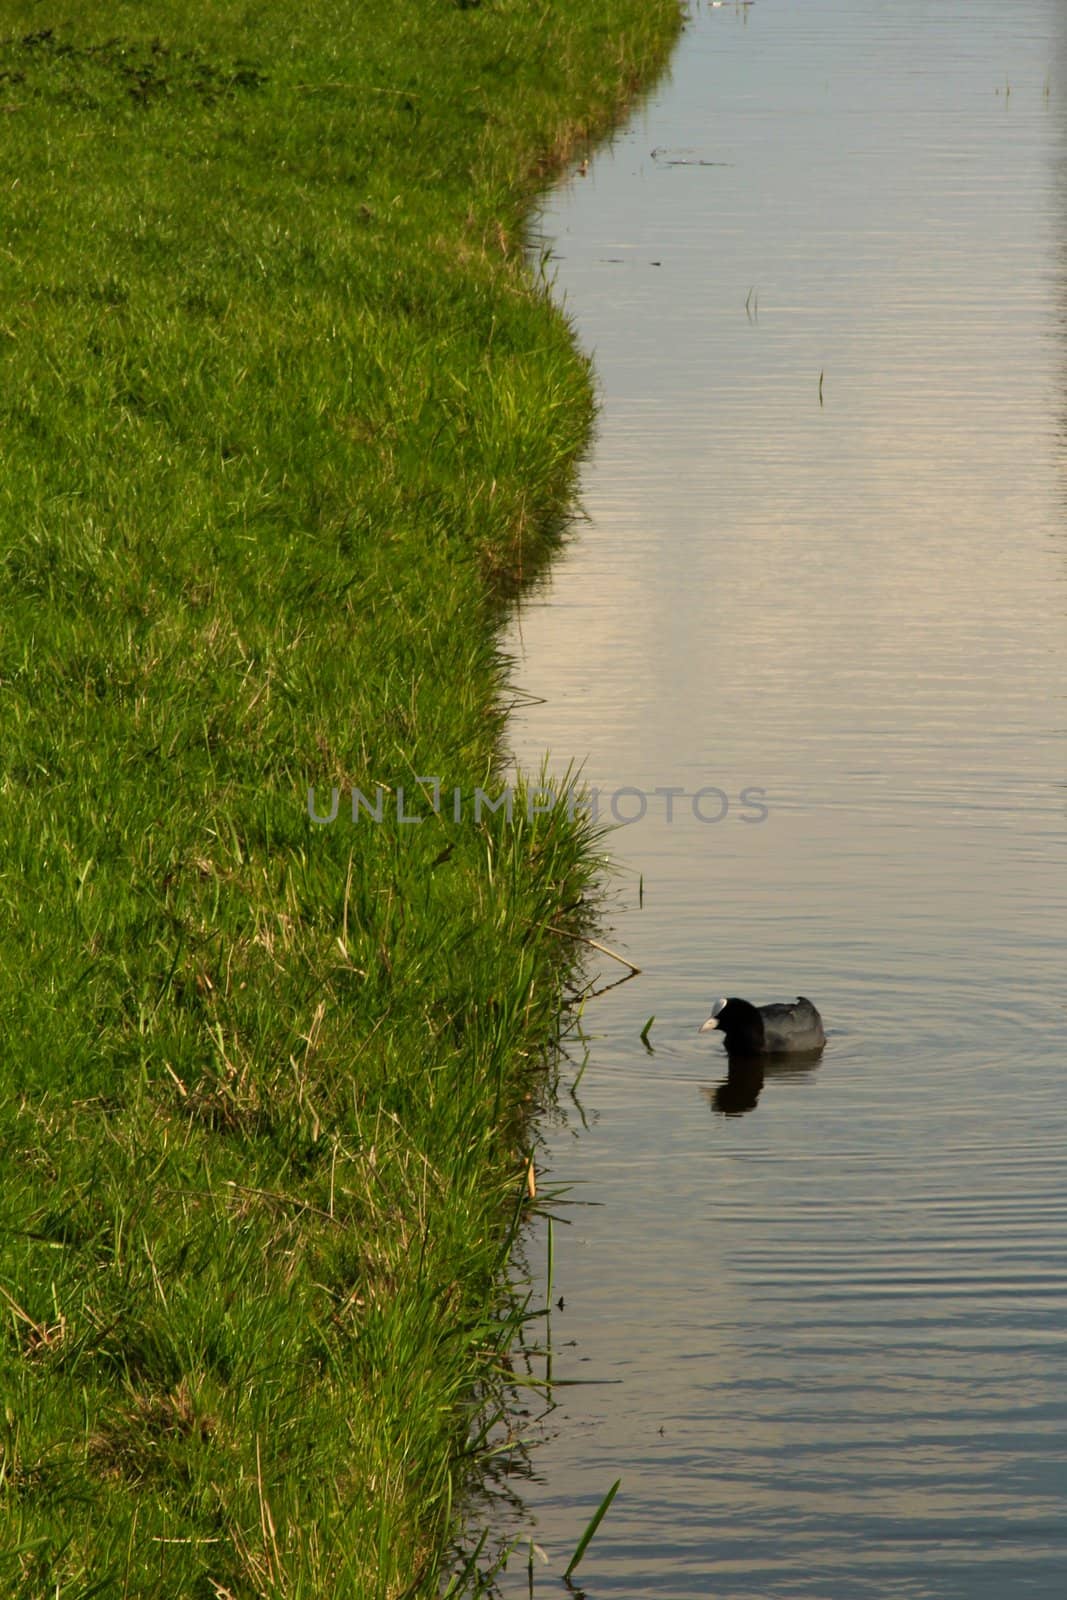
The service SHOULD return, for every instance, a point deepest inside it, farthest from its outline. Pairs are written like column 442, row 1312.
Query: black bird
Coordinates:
column 778, row 1029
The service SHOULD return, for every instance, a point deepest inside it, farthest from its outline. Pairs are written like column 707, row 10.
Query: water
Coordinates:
column 829, row 1331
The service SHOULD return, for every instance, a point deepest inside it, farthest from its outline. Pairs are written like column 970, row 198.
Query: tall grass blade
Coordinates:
column 594, row 1523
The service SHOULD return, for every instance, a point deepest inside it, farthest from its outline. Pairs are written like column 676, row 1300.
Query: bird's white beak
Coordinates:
column 713, row 1020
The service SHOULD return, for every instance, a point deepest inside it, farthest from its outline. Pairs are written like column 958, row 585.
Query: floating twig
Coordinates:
column 594, row 944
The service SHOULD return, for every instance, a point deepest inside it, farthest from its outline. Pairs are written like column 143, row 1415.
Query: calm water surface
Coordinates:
column 834, row 1324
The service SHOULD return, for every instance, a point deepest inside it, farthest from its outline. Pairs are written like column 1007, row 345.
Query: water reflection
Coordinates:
column 740, row 1090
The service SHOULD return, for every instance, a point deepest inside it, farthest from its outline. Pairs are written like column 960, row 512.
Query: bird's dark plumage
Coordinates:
column 777, row 1029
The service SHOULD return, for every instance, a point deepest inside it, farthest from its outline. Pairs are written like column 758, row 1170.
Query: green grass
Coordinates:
column 283, row 417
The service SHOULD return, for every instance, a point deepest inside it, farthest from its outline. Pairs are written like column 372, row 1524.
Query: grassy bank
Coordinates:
column 281, row 417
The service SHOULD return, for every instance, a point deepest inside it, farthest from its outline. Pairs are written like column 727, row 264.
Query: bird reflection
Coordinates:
column 745, row 1076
